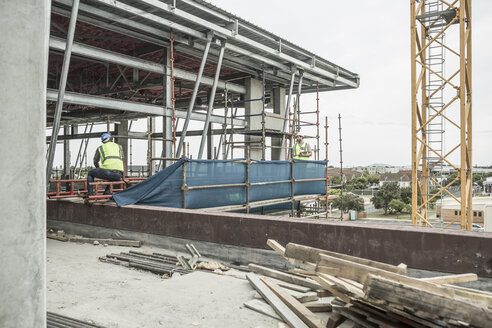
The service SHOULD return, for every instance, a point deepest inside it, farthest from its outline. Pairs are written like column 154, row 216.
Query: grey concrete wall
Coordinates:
column 23, row 68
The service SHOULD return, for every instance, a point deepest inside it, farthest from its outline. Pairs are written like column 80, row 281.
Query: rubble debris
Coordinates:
column 61, row 236
column 212, row 266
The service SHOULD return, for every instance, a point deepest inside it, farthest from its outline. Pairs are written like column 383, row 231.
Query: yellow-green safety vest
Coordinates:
column 301, row 149
column 111, row 156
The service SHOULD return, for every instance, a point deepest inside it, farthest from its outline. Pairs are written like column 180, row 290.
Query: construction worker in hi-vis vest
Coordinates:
column 112, row 167
column 301, row 150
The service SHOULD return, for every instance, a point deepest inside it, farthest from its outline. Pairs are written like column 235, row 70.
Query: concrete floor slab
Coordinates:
column 82, row 287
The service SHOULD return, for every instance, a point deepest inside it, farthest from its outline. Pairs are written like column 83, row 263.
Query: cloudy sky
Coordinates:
column 371, row 38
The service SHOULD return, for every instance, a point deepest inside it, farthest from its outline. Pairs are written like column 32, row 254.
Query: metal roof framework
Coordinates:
column 110, row 56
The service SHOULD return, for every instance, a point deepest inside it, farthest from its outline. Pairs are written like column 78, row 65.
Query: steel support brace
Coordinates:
column 193, row 96
column 298, row 102
column 61, row 89
column 286, row 116
column 211, row 101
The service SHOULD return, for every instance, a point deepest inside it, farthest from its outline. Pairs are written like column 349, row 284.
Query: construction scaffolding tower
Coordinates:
column 441, row 106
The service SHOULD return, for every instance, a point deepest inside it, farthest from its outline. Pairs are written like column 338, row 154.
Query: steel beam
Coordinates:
column 134, row 62
column 211, row 101
column 130, row 106
column 287, row 107
column 311, row 72
column 193, row 97
column 61, row 89
column 224, row 32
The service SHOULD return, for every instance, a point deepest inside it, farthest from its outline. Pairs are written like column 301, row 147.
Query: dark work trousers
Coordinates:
column 101, row 174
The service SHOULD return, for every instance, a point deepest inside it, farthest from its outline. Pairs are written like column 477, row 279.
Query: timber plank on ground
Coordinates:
column 282, row 310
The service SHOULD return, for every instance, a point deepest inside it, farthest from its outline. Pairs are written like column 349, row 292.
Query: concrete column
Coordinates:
column 121, row 129
column 278, row 100
column 23, row 66
column 167, row 122
column 254, row 90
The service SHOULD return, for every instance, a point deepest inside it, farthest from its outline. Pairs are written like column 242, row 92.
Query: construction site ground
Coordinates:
column 82, row 287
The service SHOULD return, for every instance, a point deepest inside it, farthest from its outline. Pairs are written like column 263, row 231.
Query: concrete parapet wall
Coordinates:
column 421, row 248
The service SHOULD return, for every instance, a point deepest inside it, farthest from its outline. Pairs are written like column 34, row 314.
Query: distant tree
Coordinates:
column 349, row 202
column 397, row 206
column 450, row 178
column 336, row 180
column 406, row 195
column 387, row 192
column 373, row 179
column 356, row 183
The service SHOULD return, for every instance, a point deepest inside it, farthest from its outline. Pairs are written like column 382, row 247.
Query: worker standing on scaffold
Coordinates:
column 302, row 150
column 112, row 165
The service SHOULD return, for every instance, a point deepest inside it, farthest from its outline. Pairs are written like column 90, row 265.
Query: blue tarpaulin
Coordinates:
column 165, row 187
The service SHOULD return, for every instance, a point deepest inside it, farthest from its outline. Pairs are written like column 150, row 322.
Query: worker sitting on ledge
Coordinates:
column 112, row 165
column 301, row 150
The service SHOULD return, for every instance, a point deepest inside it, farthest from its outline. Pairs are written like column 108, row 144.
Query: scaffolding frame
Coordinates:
column 148, row 27
column 292, row 180
column 436, row 17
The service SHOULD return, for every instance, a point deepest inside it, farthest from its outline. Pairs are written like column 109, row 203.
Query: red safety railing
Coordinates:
column 78, row 188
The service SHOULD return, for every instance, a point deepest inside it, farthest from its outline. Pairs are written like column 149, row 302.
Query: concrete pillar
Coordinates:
column 121, row 129
column 254, row 90
column 278, row 99
column 167, row 122
column 23, row 68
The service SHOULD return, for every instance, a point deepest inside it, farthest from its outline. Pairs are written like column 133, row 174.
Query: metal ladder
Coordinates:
column 434, row 20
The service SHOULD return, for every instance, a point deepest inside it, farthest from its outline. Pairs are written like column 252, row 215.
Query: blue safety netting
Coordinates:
column 165, row 187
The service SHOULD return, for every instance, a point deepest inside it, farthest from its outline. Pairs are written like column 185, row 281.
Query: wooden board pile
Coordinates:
column 369, row 293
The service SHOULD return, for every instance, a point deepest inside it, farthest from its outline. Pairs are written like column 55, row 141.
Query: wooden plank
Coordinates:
column 323, row 293
column 300, row 310
column 294, row 287
column 283, row 310
column 311, row 254
column 379, row 288
column 319, row 306
column 335, row 320
column 452, row 279
column 284, row 276
column 330, row 286
column 355, row 317
column 473, row 294
column 359, row 272
column 304, row 297
column 375, row 316
column 356, row 291
column 276, row 247
column 262, row 307
column 113, row 242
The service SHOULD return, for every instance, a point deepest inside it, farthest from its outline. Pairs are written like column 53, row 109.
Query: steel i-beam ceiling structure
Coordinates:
column 135, row 30
column 430, row 21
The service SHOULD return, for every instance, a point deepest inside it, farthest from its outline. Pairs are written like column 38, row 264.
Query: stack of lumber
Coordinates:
column 368, row 293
